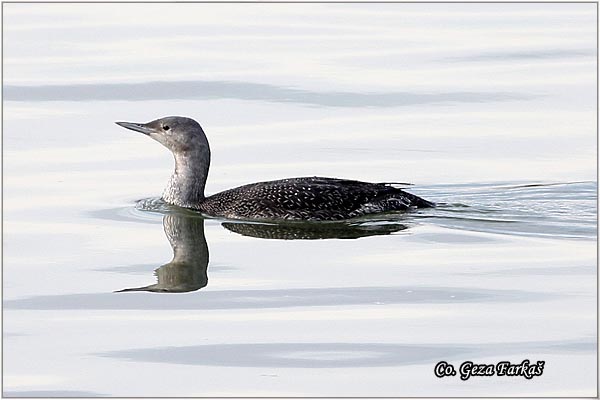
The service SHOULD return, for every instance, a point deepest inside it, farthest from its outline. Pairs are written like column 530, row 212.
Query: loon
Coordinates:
column 296, row 199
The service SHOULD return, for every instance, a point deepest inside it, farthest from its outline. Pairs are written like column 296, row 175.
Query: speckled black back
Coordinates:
column 309, row 198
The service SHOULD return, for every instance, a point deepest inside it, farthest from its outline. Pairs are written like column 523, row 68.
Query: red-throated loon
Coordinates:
column 302, row 199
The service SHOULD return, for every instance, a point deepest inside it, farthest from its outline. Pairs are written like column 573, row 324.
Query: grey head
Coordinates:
column 178, row 134
column 187, row 141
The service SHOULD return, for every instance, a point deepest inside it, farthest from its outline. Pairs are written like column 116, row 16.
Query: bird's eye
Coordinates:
column 166, row 127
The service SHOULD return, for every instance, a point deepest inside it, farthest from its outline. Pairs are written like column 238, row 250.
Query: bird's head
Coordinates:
column 178, row 134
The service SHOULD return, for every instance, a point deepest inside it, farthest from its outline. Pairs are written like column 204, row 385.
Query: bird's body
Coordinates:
column 303, row 199
column 309, row 199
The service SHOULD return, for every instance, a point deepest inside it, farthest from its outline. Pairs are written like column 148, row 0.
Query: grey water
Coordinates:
column 489, row 110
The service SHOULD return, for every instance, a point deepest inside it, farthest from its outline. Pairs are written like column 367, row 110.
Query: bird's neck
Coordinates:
column 186, row 186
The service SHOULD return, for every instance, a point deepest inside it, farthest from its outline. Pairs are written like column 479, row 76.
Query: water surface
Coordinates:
column 488, row 109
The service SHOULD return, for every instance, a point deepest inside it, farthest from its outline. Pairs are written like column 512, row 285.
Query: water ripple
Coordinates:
column 561, row 210
column 206, row 90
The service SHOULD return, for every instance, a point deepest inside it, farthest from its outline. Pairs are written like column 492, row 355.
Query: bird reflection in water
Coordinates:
column 187, row 271
column 311, row 230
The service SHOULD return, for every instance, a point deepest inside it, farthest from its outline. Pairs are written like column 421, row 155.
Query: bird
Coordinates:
column 294, row 199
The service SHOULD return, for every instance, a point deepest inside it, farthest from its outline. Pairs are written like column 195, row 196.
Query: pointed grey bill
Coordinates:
column 136, row 127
